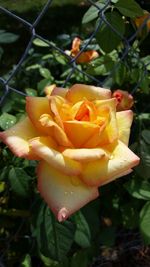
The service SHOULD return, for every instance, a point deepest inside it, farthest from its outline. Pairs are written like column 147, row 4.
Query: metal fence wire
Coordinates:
column 32, row 29
column 72, row 61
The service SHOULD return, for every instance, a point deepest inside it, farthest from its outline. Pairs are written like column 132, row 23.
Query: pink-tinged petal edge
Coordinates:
column 17, row 137
column 63, row 194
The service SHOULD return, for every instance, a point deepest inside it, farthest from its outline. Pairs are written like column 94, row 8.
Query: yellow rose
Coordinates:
column 80, row 140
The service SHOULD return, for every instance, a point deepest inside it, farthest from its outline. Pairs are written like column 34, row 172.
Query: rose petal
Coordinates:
column 53, row 130
column 117, row 176
column 16, row 138
column 87, row 56
column 124, row 120
column 63, row 194
column 80, row 92
column 48, row 89
column 99, row 172
column 110, row 134
column 56, row 103
column 85, row 155
column 35, row 107
column 42, row 147
column 79, row 132
column 59, row 91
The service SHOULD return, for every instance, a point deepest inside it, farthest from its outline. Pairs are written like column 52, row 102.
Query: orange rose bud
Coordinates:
column 86, row 56
column 124, row 100
column 140, row 20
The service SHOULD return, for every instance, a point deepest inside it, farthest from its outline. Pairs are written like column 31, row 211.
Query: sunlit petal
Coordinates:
column 16, row 138
column 43, row 147
column 63, row 194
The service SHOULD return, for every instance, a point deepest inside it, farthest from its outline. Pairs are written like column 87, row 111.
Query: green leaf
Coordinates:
column 2, row 186
column 129, row 8
column 1, row 52
column 114, row 1
column 31, row 92
column 105, row 33
column 45, row 73
column 82, row 233
column 7, row 120
column 146, row 136
column 145, row 222
column 92, row 12
column 130, row 214
column 26, row 261
column 146, row 61
column 138, row 188
column 120, row 74
column 54, row 238
column 4, row 172
column 39, row 42
column 144, row 153
column 145, row 84
column 144, row 116
column 20, row 182
column 101, row 66
column 42, row 84
column 8, row 37
column 61, row 59
column 79, row 259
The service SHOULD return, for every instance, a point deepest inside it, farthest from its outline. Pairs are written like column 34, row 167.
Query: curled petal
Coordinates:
column 43, row 148
column 17, row 137
column 79, row 132
column 99, row 172
column 84, row 154
column 48, row 89
column 79, row 92
column 56, row 103
column 59, row 91
column 110, row 134
column 63, row 194
column 35, row 107
column 124, row 121
column 52, row 129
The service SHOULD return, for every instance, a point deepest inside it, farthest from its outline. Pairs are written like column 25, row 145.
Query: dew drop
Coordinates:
column 75, row 181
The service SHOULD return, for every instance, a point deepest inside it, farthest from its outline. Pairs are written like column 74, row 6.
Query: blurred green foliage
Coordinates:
column 29, row 234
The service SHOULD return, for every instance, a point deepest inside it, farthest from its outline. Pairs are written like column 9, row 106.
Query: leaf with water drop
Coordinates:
column 7, row 120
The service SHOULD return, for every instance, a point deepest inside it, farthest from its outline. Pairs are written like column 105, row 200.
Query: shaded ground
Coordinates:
column 129, row 251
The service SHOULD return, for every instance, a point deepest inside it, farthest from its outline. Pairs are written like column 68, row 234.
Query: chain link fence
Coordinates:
column 32, row 29
column 126, row 49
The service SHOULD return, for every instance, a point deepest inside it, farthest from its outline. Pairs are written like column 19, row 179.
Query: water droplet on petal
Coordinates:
column 75, row 181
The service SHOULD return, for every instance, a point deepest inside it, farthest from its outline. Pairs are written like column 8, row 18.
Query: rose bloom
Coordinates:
column 85, row 56
column 124, row 100
column 80, row 140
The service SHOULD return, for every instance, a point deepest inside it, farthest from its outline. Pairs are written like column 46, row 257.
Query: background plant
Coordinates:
column 30, row 235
